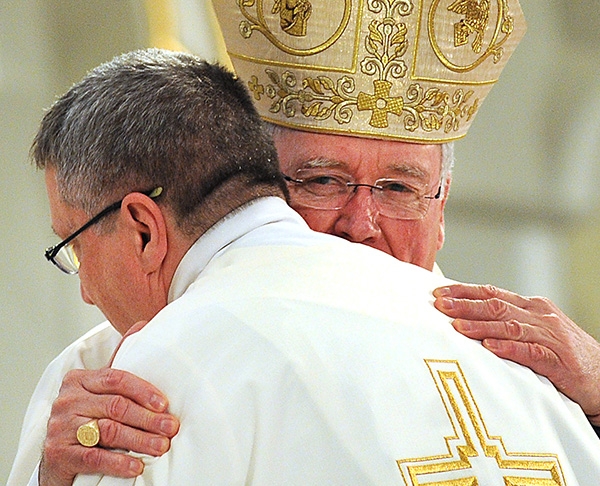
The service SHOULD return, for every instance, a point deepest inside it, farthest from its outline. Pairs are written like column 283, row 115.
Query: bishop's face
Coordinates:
column 365, row 161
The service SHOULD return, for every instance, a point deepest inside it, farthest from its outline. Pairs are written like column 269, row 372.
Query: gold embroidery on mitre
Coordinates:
column 398, row 69
column 293, row 15
column 380, row 104
column 321, row 97
column 476, row 14
column 475, row 21
column 472, row 448
column 292, row 21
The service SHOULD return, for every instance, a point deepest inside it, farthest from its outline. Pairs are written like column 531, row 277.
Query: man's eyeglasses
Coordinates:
column 393, row 198
column 63, row 254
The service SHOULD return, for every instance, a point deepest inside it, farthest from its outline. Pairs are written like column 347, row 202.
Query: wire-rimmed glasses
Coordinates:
column 394, row 198
column 63, row 255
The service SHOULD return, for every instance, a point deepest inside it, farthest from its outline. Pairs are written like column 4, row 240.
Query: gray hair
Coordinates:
column 447, row 166
column 156, row 118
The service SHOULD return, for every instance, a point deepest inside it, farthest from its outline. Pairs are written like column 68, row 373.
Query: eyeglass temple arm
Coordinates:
column 291, row 179
column 53, row 251
column 437, row 195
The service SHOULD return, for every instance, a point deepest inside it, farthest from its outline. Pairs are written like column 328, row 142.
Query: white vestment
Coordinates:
column 292, row 357
column 91, row 351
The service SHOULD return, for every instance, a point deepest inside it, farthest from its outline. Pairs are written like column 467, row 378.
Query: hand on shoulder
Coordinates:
column 531, row 331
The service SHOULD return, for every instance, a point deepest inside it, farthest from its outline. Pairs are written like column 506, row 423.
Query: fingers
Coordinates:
column 131, row 416
column 108, row 381
column 124, row 423
column 492, row 309
column 486, row 302
column 115, row 395
column 538, row 358
column 130, row 409
column 524, row 345
column 489, row 303
column 63, row 457
column 98, row 460
column 513, row 341
column 544, row 361
column 531, row 331
column 60, row 465
column 480, row 292
column 115, row 435
column 499, row 330
column 518, row 341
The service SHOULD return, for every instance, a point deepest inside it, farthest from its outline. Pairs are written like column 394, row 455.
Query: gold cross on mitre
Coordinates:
column 473, row 454
column 408, row 70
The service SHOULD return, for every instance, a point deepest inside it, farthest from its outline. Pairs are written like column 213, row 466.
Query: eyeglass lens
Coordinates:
column 394, row 198
column 67, row 260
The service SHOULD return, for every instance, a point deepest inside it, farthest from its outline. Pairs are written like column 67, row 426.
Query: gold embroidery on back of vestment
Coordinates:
column 471, row 447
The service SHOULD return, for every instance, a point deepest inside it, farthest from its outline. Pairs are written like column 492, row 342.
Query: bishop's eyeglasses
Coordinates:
column 394, row 198
column 63, row 255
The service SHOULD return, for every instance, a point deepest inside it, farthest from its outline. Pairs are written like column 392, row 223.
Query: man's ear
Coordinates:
column 441, row 232
column 147, row 230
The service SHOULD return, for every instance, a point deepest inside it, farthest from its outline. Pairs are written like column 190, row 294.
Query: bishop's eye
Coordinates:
column 325, row 180
column 323, row 184
column 396, row 187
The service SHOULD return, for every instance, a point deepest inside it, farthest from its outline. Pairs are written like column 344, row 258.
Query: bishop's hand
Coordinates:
column 131, row 415
column 531, row 331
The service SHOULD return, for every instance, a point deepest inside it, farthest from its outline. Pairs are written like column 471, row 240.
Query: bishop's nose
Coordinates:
column 357, row 219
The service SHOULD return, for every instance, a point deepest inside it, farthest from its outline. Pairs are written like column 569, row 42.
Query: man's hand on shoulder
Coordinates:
column 132, row 416
column 531, row 331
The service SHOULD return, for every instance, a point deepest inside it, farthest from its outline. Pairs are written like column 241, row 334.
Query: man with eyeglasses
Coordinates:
column 289, row 356
column 336, row 180
column 532, row 331
column 63, row 254
column 388, row 195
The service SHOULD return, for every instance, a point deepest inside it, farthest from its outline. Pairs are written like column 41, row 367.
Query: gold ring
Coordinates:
column 88, row 434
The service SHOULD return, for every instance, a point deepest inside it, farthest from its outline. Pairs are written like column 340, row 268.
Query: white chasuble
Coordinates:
column 307, row 360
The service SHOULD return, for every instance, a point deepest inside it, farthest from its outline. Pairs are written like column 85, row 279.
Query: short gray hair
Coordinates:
column 447, row 166
column 156, row 118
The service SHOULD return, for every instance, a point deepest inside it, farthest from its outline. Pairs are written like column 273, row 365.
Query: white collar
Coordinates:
column 234, row 226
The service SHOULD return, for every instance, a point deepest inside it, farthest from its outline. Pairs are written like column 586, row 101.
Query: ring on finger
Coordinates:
column 88, row 434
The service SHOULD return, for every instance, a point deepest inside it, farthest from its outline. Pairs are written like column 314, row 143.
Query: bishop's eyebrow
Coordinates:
column 408, row 170
column 324, row 163
column 394, row 169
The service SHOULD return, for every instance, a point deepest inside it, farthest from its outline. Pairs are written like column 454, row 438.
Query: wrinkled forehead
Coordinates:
column 363, row 159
